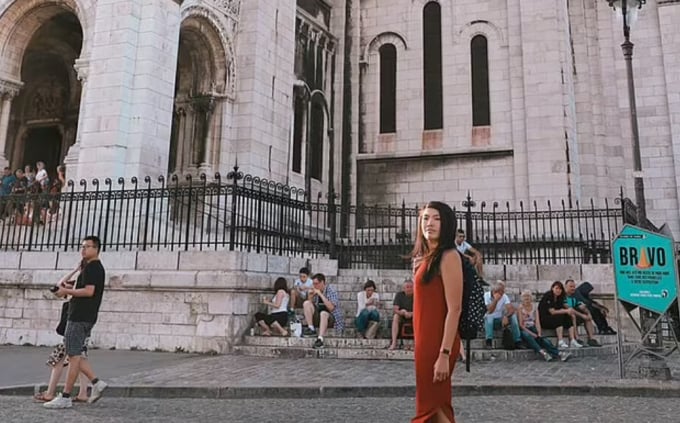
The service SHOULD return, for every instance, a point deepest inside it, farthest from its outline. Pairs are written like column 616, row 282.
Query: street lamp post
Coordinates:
column 653, row 366
column 319, row 95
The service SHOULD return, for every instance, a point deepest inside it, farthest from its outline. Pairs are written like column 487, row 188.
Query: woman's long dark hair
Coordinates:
column 447, row 239
column 563, row 295
column 281, row 283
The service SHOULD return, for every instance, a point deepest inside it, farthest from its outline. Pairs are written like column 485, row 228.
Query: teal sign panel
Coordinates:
column 645, row 270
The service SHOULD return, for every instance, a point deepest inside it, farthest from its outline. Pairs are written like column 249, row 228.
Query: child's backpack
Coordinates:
column 473, row 308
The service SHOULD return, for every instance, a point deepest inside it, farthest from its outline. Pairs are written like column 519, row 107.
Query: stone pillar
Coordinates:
column 8, row 90
column 82, row 67
column 126, row 127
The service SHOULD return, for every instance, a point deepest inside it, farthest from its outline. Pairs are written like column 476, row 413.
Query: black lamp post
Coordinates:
column 312, row 96
column 653, row 366
column 628, row 10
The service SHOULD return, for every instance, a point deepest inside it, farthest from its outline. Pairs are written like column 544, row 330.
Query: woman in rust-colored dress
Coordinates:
column 436, row 311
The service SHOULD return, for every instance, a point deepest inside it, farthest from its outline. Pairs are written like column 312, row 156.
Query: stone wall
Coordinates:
column 189, row 301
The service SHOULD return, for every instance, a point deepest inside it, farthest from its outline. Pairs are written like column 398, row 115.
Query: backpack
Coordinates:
column 508, row 339
column 473, row 308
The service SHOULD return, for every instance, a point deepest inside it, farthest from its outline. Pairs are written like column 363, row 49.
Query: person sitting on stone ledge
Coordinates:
column 555, row 314
column 322, row 308
column 301, row 287
column 469, row 252
column 500, row 314
column 530, row 324
column 278, row 318
column 597, row 310
column 367, row 317
column 403, row 311
column 581, row 314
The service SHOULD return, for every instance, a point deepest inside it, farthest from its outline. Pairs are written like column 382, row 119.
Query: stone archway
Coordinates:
column 42, row 46
column 202, row 79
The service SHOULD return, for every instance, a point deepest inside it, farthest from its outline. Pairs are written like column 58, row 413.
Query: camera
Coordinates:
column 54, row 289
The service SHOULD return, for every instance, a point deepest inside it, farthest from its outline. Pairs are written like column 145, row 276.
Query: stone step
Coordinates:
column 382, row 354
column 360, row 343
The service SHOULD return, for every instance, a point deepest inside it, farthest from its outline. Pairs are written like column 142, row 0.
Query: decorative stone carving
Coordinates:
column 82, row 67
column 48, row 100
column 9, row 88
column 232, row 7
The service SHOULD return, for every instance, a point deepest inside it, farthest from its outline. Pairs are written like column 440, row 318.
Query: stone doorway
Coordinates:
column 44, row 115
column 43, row 144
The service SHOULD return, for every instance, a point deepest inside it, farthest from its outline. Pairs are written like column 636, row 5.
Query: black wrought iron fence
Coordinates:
column 247, row 213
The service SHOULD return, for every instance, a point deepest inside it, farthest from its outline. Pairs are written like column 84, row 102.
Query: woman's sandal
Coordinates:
column 76, row 399
column 41, row 397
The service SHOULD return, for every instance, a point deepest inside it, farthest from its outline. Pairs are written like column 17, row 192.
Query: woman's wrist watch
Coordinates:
column 445, row 351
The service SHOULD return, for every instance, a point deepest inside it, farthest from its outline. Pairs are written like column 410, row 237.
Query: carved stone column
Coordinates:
column 82, row 67
column 8, row 90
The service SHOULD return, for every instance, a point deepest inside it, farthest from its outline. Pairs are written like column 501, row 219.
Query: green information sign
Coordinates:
column 645, row 270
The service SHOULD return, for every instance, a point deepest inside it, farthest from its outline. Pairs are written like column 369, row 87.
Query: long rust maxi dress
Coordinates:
column 429, row 314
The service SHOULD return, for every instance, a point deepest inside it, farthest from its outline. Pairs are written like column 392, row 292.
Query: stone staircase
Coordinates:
column 348, row 345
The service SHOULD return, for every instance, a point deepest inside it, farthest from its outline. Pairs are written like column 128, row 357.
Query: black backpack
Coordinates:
column 473, row 308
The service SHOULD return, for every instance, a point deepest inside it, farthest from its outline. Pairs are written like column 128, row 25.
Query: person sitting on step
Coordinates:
column 597, row 310
column 278, row 318
column 301, row 287
column 322, row 308
column 500, row 314
column 403, row 311
column 368, row 316
column 555, row 314
column 581, row 314
column 530, row 324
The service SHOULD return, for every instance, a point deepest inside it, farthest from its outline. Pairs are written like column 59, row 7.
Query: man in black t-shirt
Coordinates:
column 86, row 297
column 403, row 311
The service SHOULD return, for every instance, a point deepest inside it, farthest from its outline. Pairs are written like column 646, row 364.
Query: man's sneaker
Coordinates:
column 564, row 355
column 318, row 344
column 575, row 344
column 308, row 332
column 546, row 356
column 488, row 344
column 97, row 390
column 59, row 402
column 563, row 345
column 593, row 343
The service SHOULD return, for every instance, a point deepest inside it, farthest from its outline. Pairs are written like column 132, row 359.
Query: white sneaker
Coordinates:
column 97, row 390
column 563, row 345
column 575, row 344
column 564, row 356
column 59, row 402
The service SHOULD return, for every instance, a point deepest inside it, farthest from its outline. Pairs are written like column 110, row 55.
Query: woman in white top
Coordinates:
column 41, row 177
column 278, row 318
column 530, row 326
column 367, row 307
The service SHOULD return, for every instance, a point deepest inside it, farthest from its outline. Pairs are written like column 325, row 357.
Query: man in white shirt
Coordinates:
column 468, row 251
column 500, row 313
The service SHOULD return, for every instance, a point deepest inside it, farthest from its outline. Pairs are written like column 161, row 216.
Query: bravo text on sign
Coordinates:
column 645, row 269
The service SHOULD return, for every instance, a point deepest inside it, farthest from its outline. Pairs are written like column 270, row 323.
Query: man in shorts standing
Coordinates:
column 84, row 308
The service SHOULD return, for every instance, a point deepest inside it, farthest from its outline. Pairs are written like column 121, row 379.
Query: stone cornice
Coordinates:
column 9, row 87
column 667, row 2
column 82, row 68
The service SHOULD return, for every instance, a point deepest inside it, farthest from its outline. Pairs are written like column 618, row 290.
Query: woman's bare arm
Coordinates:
column 452, row 279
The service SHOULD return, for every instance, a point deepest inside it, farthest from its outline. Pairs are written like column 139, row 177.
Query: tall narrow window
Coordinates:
column 388, row 89
column 316, row 143
column 432, row 64
column 481, row 112
column 298, row 131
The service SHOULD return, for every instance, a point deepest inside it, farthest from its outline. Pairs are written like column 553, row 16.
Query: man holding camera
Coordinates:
column 83, row 310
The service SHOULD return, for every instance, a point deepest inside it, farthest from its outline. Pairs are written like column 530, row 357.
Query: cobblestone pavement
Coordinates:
column 25, row 365
column 529, row 409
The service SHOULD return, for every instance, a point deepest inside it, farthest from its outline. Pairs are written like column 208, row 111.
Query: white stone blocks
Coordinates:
column 521, row 272
column 214, row 260
column 157, row 260
column 38, row 260
column 326, row 266
column 278, row 265
column 600, row 275
column 10, row 260
column 559, row 272
column 119, row 260
column 67, row 260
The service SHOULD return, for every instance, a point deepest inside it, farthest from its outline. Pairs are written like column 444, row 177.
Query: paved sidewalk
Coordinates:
column 149, row 374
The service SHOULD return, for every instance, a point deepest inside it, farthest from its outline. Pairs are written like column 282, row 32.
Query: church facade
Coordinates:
column 384, row 102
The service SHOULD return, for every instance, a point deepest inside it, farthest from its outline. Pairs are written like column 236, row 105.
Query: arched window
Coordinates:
column 481, row 112
column 388, row 89
column 432, row 65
